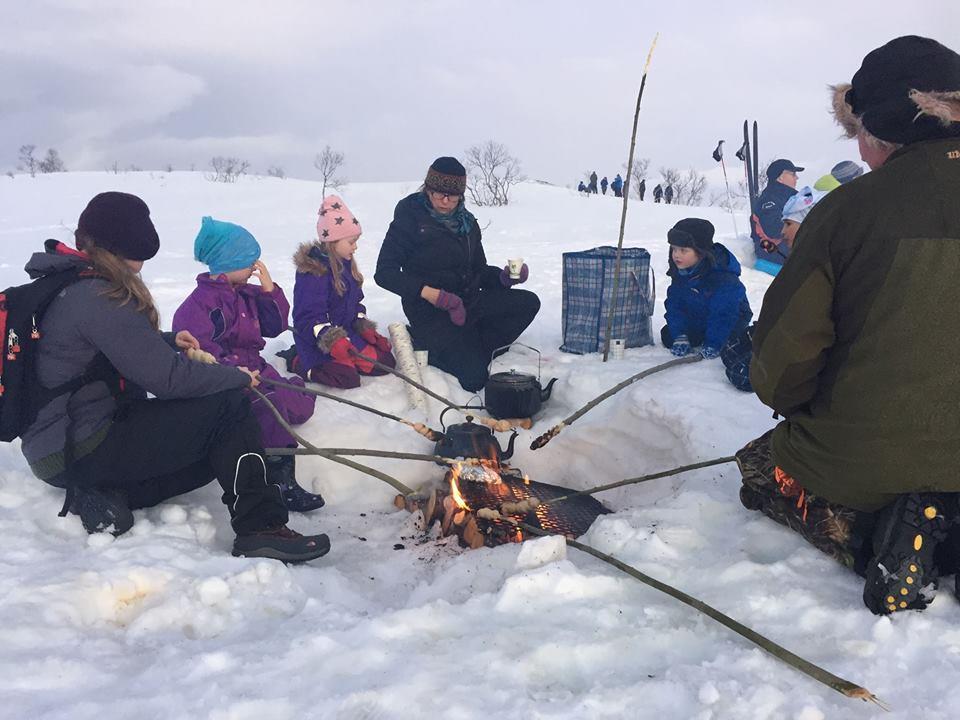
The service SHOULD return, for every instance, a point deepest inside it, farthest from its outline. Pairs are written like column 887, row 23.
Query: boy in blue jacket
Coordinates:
column 706, row 302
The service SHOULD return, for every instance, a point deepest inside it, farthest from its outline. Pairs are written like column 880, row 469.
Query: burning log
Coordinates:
column 486, row 508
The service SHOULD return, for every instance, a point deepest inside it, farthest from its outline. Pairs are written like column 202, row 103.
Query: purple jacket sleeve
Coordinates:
column 311, row 305
column 194, row 316
column 274, row 310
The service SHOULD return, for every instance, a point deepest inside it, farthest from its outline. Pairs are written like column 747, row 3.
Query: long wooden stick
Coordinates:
column 643, row 478
column 834, row 682
column 392, row 481
column 556, row 429
column 623, row 210
column 405, row 378
column 377, row 453
column 432, row 435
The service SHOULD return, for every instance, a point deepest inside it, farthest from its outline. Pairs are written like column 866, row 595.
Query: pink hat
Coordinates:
column 336, row 221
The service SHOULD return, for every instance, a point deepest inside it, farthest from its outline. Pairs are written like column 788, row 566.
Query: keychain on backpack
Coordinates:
column 13, row 345
column 34, row 333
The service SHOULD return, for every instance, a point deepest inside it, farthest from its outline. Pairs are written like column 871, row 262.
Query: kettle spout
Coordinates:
column 508, row 453
column 545, row 393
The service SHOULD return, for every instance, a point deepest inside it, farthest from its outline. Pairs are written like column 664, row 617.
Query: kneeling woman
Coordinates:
column 459, row 308
column 110, row 447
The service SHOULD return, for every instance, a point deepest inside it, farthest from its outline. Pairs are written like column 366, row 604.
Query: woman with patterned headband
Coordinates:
column 460, row 309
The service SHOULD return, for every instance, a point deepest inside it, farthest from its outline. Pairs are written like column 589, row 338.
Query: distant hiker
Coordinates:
column 617, row 186
column 842, row 172
column 593, row 183
column 329, row 319
column 581, row 187
column 668, row 194
column 706, row 303
column 657, row 193
column 230, row 317
column 603, row 185
column 642, row 189
column 113, row 449
column 851, row 348
column 460, row 309
column 768, row 220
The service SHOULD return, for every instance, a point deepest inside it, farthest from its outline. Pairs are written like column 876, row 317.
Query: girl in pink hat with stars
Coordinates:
column 329, row 320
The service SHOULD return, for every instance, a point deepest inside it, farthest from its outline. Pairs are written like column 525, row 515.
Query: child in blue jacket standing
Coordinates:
column 706, row 302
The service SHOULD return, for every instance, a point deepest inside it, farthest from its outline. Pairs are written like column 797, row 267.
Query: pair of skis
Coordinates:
column 750, row 156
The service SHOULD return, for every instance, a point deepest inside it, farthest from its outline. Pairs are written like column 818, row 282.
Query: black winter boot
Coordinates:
column 281, row 470
column 902, row 574
column 281, row 543
column 102, row 510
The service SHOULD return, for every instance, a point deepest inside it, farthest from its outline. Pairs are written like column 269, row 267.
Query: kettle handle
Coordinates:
column 507, row 347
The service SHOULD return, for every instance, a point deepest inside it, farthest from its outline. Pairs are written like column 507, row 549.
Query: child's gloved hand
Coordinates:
column 681, row 346
column 362, row 365
column 709, row 353
column 201, row 356
column 376, row 339
column 508, row 281
column 340, row 352
column 454, row 307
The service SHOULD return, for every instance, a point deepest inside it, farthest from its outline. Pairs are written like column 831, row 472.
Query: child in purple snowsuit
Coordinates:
column 230, row 318
column 329, row 320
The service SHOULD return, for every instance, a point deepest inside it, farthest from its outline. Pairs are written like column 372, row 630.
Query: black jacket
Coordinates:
column 419, row 251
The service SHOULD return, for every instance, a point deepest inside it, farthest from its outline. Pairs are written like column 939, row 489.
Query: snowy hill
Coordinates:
column 164, row 623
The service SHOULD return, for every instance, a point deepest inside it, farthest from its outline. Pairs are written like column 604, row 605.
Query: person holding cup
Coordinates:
column 460, row 309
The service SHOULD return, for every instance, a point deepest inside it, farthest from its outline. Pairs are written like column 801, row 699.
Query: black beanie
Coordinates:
column 692, row 233
column 446, row 175
column 120, row 223
column 883, row 92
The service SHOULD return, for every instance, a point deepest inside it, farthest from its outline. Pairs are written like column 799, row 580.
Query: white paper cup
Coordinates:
column 422, row 357
column 617, row 346
column 515, row 265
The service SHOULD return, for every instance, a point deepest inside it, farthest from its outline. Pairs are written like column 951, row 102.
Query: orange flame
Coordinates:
column 455, row 489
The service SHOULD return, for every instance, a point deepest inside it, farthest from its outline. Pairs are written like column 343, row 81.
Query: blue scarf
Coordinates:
column 691, row 271
column 458, row 222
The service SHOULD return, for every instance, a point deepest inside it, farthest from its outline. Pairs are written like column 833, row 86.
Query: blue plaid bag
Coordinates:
column 587, row 292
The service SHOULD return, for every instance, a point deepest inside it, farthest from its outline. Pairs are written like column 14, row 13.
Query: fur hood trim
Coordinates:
column 842, row 112
column 307, row 263
column 942, row 105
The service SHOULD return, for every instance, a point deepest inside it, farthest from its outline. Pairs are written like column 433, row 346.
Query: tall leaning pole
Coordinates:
column 626, row 197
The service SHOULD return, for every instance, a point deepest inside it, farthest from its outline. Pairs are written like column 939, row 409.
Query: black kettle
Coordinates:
column 513, row 394
column 470, row 440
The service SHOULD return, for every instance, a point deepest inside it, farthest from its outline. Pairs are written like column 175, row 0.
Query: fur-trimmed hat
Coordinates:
column 120, row 223
column 693, row 233
column 446, row 175
column 335, row 221
column 905, row 91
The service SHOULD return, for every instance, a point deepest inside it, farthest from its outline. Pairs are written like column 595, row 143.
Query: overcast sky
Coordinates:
column 395, row 83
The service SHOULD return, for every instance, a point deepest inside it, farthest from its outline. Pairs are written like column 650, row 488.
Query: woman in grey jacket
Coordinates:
column 109, row 446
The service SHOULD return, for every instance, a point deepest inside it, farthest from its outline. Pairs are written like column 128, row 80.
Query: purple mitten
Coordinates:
column 508, row 281
column 454, row 306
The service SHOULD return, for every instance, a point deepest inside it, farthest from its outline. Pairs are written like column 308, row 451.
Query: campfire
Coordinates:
column 481, row 504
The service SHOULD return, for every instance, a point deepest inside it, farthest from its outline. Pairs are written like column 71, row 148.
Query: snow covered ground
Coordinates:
column 164, row 623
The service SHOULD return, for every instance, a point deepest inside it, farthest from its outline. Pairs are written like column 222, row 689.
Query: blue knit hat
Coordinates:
column 224, row 246
column 846, row 171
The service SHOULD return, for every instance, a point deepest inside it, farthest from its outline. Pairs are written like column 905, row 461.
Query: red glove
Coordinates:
column 376, row 339
column 363, row 366
column 340, row 352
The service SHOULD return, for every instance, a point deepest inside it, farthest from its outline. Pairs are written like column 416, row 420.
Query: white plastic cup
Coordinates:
column 617, row 346
column 515, row 265
column 422, row 357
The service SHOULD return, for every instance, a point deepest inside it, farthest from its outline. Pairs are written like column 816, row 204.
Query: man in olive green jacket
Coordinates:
column 856, row 345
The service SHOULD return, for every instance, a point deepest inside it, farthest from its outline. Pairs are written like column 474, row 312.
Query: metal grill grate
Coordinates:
column 571, row 517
